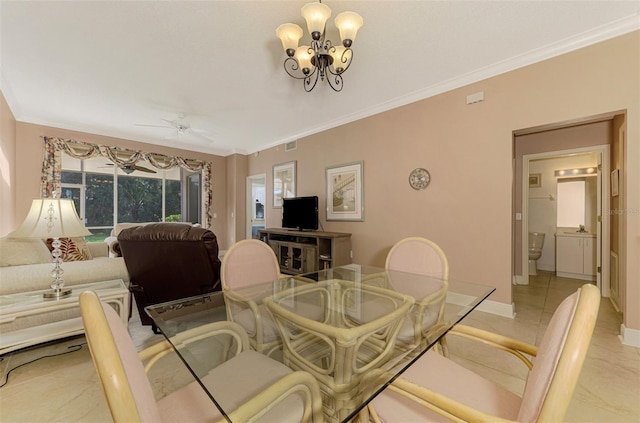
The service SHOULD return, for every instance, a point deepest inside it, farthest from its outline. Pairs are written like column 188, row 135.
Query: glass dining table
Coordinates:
column 354, row 328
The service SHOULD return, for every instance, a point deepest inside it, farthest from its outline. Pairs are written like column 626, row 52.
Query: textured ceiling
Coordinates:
column 112, row 67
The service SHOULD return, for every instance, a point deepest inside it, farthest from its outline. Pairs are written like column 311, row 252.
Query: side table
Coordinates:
column 24, row 306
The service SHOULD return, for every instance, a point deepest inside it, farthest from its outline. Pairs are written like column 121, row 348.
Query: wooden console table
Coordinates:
column 307, row 251
column 17, row 307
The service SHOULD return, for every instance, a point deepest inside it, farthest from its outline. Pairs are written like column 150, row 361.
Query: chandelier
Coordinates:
column 321, row 59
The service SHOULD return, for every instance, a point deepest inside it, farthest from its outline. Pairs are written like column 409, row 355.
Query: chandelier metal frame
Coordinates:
column 321, row 59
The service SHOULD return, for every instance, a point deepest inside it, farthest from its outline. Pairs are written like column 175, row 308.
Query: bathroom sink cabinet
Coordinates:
column 576, row 256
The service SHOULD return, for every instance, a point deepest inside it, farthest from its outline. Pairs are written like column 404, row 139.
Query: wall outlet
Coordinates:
column 350, row 253
column 518, row 216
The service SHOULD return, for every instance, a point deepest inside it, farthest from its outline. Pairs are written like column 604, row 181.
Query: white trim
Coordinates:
column 488, row 306
column 520, row 280
column 499, row 309
column 629, row 337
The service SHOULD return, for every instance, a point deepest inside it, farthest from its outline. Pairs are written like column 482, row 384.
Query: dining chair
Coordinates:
column 248, row 263
column 437, row 389
column 417, row 255
column 275, row 393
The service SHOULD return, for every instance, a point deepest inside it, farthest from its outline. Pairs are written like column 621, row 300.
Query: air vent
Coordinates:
column 290, row 146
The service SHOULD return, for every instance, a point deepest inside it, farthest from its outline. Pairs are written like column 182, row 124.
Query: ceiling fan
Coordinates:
column 130, row 168
column 181, row 126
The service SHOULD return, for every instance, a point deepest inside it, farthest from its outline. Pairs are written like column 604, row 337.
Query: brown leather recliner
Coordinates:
column 169, row 261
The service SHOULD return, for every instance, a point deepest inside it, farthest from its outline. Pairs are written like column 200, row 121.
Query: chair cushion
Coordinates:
column 444, row 376
column 232, row 383
column 247, row 321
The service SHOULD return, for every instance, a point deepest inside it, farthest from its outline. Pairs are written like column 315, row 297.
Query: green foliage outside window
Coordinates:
column 139, row 199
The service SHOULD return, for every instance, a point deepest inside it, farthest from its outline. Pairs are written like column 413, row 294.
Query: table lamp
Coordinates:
column 52, row 218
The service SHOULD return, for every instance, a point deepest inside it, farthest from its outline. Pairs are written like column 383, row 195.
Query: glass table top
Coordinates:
column 10, row 302
column 343, row 325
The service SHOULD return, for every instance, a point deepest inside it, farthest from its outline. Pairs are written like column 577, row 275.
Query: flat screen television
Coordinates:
column 300, row 213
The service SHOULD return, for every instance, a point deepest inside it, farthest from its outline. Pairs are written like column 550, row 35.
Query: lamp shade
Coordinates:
column 303, row 56
column 289, row 34
column 348, row 23
column 51, row 218
column 316, row 15
column 341, row 58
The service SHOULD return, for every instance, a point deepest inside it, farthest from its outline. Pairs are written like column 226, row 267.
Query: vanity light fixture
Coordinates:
column 320, row 59
column 575, row 172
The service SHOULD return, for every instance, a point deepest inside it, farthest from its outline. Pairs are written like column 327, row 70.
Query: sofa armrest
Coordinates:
column 98, row 249
column 113, row 246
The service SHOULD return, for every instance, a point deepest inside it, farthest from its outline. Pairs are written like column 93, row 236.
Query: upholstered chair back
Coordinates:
column 247, row 263
column 121, row 373
column 420, row 256
column 560, row 357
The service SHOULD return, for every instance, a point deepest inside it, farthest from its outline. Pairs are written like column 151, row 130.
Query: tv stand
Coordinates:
column 307, row 251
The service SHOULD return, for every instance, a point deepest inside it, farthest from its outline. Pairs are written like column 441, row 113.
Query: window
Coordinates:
column 105, row 194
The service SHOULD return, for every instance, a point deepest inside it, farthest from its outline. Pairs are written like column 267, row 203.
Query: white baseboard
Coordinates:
column 500, row 309
column 487, row 306
column 629, row 337
column 521, row 279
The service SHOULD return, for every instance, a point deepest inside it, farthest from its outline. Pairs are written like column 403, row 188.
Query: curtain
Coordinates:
column 52, row 165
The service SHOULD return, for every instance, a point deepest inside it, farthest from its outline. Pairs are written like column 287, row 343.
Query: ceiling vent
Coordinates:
column 290, row 146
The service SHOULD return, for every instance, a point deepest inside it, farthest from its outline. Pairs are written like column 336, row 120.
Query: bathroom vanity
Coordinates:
column 576, row 255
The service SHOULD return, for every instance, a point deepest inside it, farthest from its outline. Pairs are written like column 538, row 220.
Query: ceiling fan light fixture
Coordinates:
column 321, row 59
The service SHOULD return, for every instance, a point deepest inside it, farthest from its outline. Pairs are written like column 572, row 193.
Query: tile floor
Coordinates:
column 65, row 388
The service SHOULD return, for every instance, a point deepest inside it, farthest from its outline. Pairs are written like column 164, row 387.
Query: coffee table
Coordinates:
column 19, row 311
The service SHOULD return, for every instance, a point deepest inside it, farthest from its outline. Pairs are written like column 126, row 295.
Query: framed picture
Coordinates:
column 535, row 180
column 615, row 180
column 345, row 192
column 284, row 182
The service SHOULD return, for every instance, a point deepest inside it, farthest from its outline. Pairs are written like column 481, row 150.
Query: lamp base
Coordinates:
column 57, row 293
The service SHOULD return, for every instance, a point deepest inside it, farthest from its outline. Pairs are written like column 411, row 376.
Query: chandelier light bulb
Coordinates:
column 316, row 15
column 304, row 58
column 289, row 34
column 348, row 23
column 341, row 57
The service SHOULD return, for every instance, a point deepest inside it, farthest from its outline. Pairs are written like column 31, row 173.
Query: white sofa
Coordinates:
column 34, row 274
column 25, row 265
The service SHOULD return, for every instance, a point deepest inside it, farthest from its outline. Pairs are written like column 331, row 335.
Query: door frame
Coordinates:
column 250, row 201
column 603, row 239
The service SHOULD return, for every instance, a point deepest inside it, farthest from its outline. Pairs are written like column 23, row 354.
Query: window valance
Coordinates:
column 52, row 164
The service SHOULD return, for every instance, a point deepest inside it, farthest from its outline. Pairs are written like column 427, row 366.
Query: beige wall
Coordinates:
column 29, row 155
column 467, row 209
column 7, row 168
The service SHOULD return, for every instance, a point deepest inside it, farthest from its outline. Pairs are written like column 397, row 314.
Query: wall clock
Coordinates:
column 419, row 179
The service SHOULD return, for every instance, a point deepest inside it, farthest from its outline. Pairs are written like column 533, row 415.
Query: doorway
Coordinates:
column 540, row 207
column 256, row 200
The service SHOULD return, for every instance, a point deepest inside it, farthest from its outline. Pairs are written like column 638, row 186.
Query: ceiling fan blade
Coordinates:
column 153, row 126
column 144, row 169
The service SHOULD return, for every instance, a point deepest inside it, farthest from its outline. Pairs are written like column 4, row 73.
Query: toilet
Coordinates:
column 536, row 241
